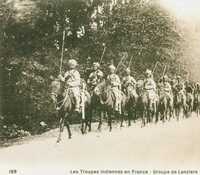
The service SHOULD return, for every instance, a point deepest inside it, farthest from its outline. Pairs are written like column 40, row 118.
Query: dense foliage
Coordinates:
column 31, row 41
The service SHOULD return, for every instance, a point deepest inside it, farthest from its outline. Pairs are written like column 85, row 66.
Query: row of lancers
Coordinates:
column 150, row 98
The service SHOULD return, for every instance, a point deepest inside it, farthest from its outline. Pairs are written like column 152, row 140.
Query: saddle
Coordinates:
column 151, row 95
column 69, row 94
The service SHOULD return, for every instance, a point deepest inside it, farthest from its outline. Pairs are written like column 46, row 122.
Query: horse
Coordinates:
column 189, row 103
column 197, row 100
column 131, row 103
column 179, row 103
column 165, row 107
column 147, row 104
column 65, row 105
column 107, row 99
column 97, row 108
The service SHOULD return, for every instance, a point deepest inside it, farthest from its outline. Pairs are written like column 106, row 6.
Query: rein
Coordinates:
column 63, row 102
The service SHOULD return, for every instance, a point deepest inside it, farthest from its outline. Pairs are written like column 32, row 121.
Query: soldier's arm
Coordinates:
column 100, row 74
column 61, row 78
column 89, row 78
column 66, row 75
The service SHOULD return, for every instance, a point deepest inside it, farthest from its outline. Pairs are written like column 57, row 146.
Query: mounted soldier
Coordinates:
column 179, row 84
column 129, row 86
column 197, row 98
column 189, row 87
column 114, row 85
column 149, row 84
column 179, row 87
column 72, row 81
column 166, row 99
column 180, row 97
column 96, row 76
column 150, row 97
column 166, row 88
column 189, row 96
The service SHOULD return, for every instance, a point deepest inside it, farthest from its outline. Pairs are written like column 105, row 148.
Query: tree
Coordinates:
column 31, row 45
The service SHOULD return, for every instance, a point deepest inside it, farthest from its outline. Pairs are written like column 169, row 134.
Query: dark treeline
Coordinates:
column 31, row 34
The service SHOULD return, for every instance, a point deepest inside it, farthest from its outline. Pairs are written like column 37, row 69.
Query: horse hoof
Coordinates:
column 70, row 137
column 143, row 125
column 82, row 132
column 58, row 141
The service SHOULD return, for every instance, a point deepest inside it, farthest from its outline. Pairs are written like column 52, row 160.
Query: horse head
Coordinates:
column 56, row 89
column 100, row 88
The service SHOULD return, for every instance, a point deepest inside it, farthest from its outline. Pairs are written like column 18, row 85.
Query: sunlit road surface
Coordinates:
column 172, row 145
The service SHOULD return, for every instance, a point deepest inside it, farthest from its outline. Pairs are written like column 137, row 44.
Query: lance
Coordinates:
column 164, row 71
column 104, row 49
column 155, row 66
column 123, row 58
column 83, row 102
column 129, row 64
column 62, row 51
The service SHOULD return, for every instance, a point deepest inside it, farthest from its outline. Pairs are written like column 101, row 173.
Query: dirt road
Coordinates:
column 160, row 146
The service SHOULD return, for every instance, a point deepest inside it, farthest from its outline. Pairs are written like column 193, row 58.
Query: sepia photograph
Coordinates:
column 100, row 87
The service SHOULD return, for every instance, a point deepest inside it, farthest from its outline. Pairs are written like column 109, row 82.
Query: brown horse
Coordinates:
column 97, row 108
column 147, row 104
column 165, row 107
column 131, row 103
column 107, row 99
column 179, row 103
column 189, row 103
column 65, row 104
column 197, row 99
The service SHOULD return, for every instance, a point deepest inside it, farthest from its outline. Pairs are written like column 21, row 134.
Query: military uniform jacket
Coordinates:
column 95, row 77
column 114, row 80
column 179, row 87
column 72, row 78
column 149, row 84
column 129, row 81
column 167, row 87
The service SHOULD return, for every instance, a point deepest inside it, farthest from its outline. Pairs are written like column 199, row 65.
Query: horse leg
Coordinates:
column 129, row 118
column 89, row 121
column 61, row 128
column 185, row 111
column 143, row 117
column 166, row 110
column 82, row 126
column 122, row 120
column 100, row 121
column 157, row 116
column 135, row 115
column 170, row 112
column 177, row 112
column 157, row 113
column 68, row 129
column 110, row 121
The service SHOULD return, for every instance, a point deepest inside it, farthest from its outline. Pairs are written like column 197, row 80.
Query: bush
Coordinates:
column 31, row 45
